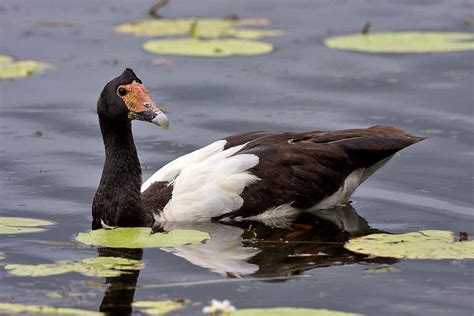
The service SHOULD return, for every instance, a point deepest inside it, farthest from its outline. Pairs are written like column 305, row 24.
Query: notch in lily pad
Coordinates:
column 92, row 267
column 14, row 69
column 141, row 237
column 426, row 244
column 404, row 42
column 20, row 225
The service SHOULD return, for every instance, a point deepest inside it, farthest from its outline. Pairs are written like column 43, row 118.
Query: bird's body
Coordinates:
column 259, row 176
column 267, row 175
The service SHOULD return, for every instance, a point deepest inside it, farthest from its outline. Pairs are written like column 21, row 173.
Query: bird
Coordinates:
column 260, row 176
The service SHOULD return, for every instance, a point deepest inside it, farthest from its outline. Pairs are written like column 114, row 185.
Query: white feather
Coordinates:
column 280, row 216
column 342, row 195
column 351, row 183
column 171, row 170
column 210, row 187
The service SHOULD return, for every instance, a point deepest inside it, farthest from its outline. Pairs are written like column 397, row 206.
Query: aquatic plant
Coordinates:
column 22, row 225
column 141, row 237
column 403, row 42
column 12, row 309
column 159, row 307
column 93, row 267
column 426, row 244
column 13, row 69
column 203, row 37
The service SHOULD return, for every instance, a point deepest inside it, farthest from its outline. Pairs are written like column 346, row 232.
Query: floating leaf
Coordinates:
column 159, row 307
column 2, row 255
column 199, row 27
column 207, row 48
column 288, row 311
column 253, row 33
column 5, row 59
column 19, row 225
column 93, row 267
column 426, row 244
column 382, row 269
column 10, row 69
column 403, row 42
column 141, row 237
column 55, row 294
column 43, row 310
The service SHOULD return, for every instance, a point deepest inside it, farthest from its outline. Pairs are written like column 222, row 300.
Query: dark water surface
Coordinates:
column 301, row 86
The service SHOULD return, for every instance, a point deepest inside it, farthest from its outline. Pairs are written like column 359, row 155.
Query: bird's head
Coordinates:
column 125, row 97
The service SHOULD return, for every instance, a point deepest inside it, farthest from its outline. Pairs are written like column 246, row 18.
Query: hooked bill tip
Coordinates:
column 161, row 120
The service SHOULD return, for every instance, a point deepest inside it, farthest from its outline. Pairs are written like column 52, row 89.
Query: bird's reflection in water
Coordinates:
column 251, row 249
column 120, row 291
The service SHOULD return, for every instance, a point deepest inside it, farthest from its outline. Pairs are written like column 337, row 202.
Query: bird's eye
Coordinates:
column 121, row 91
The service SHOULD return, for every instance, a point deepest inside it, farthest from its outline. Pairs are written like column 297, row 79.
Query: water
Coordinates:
column 301, row 86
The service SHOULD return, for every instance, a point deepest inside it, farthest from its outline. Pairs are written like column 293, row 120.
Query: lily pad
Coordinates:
column 5, row 59
column 93, row 267
column 141, row 237
column 11, row 309
column 158, row 307
column 382, row 269
column 19, row 225
column 426, row 244
column 288, row 311
column 10, row 69
column 207, row 48
column 197, row 27
column 403, row 42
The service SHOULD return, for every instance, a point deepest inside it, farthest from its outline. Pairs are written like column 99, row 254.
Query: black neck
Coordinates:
column 118, row 199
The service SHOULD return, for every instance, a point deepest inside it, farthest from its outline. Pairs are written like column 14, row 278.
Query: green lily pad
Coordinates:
column 426, row 244
column 55, row 294
column 403, row 42
column 288, row 311
column 93, row 267
column 207, row 48
column 10, row 69
column 141, row 237
column 19, row 225
column 43, row 310
column 253, row 33
column 5, row 59
column 199, row 27
column 382, row 269
column 158, row 307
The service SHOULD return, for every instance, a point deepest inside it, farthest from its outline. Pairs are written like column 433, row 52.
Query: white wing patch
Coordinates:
column 171, row 170
column 210, row 187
